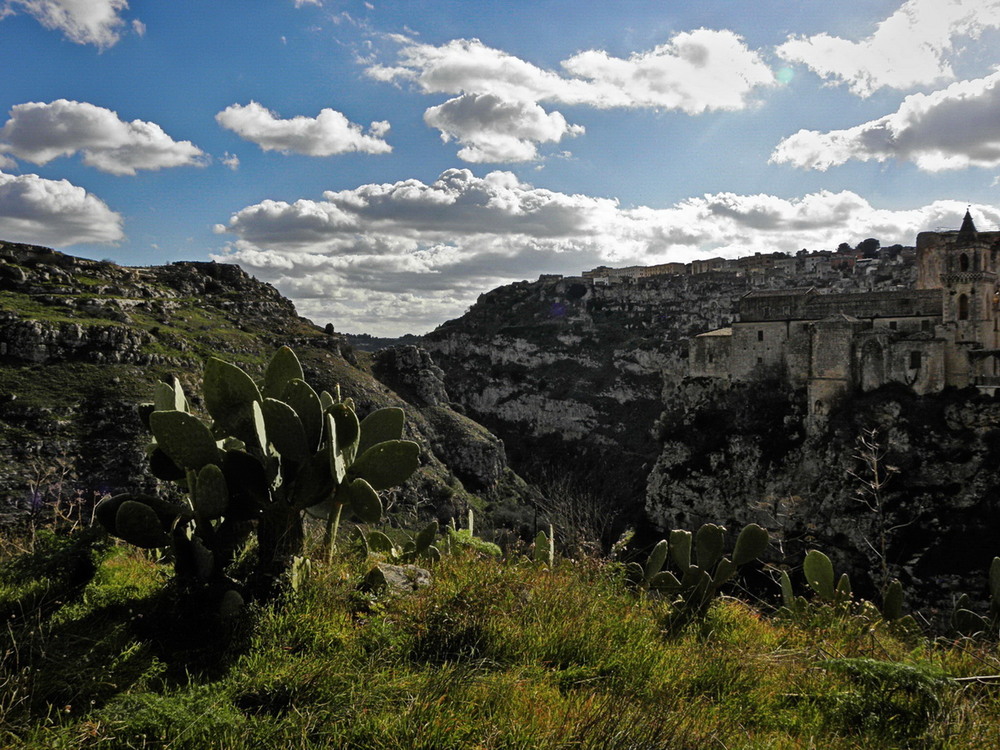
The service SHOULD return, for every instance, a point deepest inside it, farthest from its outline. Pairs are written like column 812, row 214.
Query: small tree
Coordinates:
column 270, row 453
column 869, row 247
column 873, row 478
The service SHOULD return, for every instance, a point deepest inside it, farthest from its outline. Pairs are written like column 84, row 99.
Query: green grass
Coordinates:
column 204, row 330
column 58, row 385
column 29, row 307
column 494, row 654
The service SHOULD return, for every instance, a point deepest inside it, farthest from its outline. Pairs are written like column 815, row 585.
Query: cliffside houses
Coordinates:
column 760, row 265
column 943, row 332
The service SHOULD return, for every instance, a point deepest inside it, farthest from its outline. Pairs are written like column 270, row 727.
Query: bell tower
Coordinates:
column 969, row 284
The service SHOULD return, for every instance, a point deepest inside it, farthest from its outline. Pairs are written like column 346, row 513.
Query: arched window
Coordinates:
column 963, row 262
column 963, row 306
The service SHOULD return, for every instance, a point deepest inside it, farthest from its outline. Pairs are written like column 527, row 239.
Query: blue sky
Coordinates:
column 384, row 163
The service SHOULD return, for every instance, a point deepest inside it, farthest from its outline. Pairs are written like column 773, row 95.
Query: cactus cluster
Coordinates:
column 968, row 622
column 466, row 538
column 821, row 578
column 837, row 592
column 419, row 547
column 270, row 452
column 702, row 565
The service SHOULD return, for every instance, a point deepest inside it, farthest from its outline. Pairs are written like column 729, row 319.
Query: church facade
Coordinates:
column 944, row 332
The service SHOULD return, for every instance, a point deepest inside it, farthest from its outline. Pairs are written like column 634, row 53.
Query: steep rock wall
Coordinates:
column 568, row 376
column 571, row 375
column 941, row 505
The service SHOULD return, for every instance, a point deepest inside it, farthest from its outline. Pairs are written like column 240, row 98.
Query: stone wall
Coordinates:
column 783, row 305
column 891, row 304
column 842, row 339
column 832, row 346
column 918, row 363
column 709, row 354
column 758, row 345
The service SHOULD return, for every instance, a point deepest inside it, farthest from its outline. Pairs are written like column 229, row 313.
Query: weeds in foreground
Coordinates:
column 494, row 654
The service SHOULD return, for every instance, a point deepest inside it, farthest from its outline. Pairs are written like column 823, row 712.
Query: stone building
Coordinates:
column 943, row 332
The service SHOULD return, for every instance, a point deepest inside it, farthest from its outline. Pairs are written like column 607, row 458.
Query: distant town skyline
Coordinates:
column 385, row 163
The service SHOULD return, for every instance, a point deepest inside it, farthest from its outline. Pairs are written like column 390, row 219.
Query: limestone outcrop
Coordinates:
column 82, row 342
column 411, row 369
column 741, row 455
column 570, row 373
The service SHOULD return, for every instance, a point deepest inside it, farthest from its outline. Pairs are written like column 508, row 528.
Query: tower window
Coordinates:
column 925, row 325
column 892, row 325
column 963, row 306
column 760, row 335
column 963, row 262
column 915, row 360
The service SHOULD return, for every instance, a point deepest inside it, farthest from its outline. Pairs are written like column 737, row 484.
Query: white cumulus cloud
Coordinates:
column 954, row 128
column 910, row 48
column 493, row 130
column 97, row 22
column 693, row 72
column 40, row 132
column 327, row 134
column 405, row 256
column 497, row 115
column 54, row 212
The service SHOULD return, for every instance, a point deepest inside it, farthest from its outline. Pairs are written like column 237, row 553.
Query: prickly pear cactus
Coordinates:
column 268, row 453
column 700, row 579
column 822, row 580
column 836, row 592
column 545, row 547
column 966, row 621
column 420, row 547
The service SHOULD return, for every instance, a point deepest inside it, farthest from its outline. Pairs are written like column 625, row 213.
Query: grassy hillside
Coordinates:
column 83, row 342
column 493, row 654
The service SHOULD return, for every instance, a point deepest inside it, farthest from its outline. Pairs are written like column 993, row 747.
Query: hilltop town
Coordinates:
column 926, row 316
column 864, row 259
column 942, row 332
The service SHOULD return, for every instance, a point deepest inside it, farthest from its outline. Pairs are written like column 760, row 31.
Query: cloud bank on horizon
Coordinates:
column 334, row 213
column 355, row 253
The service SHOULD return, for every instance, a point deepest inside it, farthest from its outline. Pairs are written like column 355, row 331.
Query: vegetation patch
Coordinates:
column 494, row 654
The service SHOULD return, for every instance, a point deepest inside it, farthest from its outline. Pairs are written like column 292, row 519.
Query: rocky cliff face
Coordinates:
column 475, row 455
column 742, row 455
column 591, row 381
column 571, row 375
column 82, row 343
